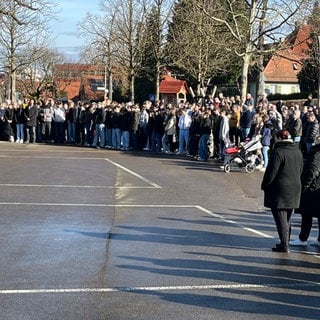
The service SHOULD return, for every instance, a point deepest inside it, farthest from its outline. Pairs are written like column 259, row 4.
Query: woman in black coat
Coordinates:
column 282, row 185
column 309, row 204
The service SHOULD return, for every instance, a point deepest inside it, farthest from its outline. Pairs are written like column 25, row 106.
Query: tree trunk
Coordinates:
column 157, row 85
column 244, row 76
column 132, row 87
column 110, row 93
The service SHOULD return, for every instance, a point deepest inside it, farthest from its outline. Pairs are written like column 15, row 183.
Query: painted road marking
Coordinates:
column 134, row 174
column 21, row 185
column 220, row 217
column 297, row 285
column 152, row 184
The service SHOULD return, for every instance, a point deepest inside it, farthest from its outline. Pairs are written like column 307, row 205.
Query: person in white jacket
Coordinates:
column 224, row 131
column 184, row 124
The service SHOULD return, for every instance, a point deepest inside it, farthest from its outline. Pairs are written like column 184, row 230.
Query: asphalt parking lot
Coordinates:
column 98, row 234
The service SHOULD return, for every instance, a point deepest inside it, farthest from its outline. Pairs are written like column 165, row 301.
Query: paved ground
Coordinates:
column 96, row 234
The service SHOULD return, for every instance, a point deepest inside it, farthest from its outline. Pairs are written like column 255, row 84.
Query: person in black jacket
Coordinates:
column 309, row 204
column 310, row 131
column 99, row 118
column 125, row 121
column 194, row 132
column 31, row 113
column 246, row 121
column 282, row 185
column 205, row 130
column 20, row 120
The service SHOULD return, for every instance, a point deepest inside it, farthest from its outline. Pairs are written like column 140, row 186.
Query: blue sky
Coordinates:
column 70, row 13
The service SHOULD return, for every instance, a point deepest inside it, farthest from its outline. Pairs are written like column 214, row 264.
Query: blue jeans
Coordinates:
column 165, row 143
column 125, row 137
column 183, row 139
column 309, row 146
column 99, row 135
column 265, row 151
column 70, row 136
column 108, row 137
column 244, row 133
column 203, row 146
column 156, row 143
column 116, row 138
column 20, row 131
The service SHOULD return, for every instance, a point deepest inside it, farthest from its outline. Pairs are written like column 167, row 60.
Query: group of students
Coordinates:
column 289, row 137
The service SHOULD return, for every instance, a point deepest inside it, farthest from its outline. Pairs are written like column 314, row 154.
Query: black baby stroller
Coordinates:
column 244, row 156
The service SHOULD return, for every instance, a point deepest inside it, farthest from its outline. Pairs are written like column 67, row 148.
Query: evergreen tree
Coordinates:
column 197, row 46
column 309, row 74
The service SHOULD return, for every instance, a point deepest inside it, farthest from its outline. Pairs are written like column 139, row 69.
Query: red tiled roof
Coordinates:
column 285, row 65
column 172, row 85
column 71, row 87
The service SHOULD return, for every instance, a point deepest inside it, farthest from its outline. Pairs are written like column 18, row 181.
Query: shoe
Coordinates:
column 298, row 243
column 280, row 248
column 200, row 159
column 168, row 152
column 315, row 243
column 146, row 149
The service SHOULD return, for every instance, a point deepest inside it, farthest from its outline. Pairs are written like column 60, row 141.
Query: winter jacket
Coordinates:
column 266, row 134
column 311, row 131
column 294, row 126
column 32, row 114
column 99, row 116
column 170, row 127
column 246, row 119
column 20, row 116
column 281, row 182
column 310, row 180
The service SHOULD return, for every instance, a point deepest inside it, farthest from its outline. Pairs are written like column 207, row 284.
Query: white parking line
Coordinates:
column 134, row 174
column 152, row 184
column 21, row 185
column 261, row 234
column 297, row 285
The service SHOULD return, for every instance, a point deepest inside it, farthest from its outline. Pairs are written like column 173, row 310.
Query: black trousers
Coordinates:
column 282, row 220
column 306, row 225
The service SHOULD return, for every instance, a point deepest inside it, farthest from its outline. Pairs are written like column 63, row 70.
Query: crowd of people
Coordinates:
column 288, row 134
column 196, row 130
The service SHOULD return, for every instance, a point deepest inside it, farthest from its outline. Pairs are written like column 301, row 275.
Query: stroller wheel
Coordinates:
column 227, row 168
column 250, row 167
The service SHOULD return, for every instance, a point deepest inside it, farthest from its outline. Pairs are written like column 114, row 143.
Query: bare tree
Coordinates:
column 37, row 80
column 23, row 35
column 99, row 32
column 129, row 27
column 6, row 9
column 248, row 22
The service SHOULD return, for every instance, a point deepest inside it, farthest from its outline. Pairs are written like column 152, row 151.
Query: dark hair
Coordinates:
column 283, row 135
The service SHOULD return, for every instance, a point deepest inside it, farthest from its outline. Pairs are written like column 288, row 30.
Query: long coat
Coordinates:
column 311, row 184
column 282, row 179
column 32, row 114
